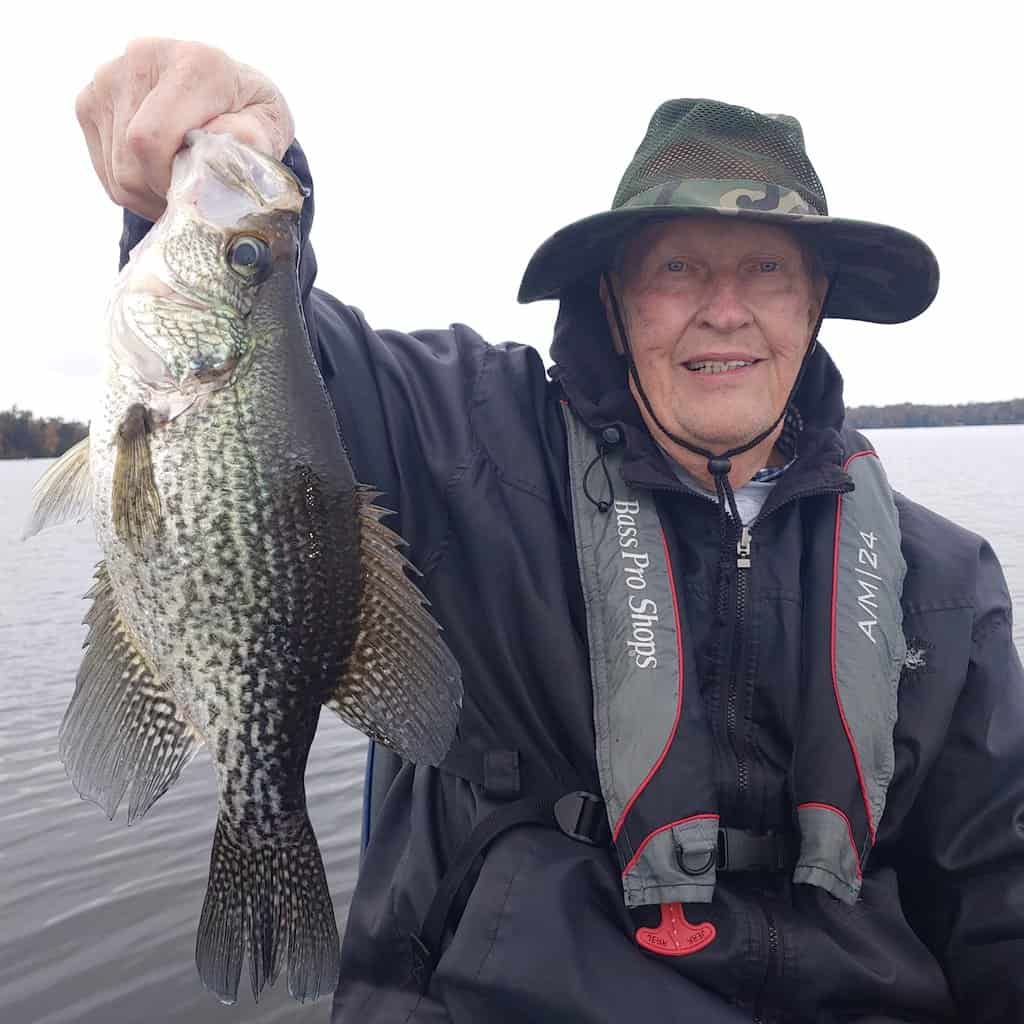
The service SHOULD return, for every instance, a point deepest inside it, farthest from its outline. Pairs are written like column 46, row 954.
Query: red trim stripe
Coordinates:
column 679, row 704
column 857, row 455
column 849, row 827
column 835, row 678
column 663, row 828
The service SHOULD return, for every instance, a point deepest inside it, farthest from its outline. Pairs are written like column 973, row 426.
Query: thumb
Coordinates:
column 263, row 127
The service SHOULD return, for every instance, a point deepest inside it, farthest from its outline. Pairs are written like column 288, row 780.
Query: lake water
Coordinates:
column 98, row 920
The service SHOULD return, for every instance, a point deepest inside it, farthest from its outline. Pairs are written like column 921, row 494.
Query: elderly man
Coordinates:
column 743, row 734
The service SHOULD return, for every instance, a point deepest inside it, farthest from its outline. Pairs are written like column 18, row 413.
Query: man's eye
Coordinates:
column 677, row 266
column 768, row 266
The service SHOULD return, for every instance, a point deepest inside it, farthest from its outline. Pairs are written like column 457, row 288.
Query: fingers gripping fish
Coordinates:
column 247, row 577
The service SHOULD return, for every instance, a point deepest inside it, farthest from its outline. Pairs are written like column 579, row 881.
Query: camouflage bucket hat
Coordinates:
column 702, row 157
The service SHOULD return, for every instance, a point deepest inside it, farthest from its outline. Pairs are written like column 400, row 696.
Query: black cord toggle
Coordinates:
column 719, row 467
column 611, row 436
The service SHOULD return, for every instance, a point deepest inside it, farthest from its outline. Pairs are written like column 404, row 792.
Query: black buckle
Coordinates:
column 723, row 850
column 581, row 816
column 739, row 850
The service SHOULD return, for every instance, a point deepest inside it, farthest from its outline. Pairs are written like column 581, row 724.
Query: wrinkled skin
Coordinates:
column 698, row 287
column 137, row 108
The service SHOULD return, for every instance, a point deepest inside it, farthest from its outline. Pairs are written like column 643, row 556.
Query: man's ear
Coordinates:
column 613, row 327
column 820, row 289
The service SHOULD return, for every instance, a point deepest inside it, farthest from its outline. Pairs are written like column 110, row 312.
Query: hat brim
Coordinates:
column 882, row 274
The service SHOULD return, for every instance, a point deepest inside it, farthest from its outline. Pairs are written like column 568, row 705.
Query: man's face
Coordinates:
column 719, row 314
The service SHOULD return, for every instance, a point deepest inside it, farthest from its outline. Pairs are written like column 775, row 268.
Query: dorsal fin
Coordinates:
column 400, row 686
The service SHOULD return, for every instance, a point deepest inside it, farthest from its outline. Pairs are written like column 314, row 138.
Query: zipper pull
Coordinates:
column 743, row 549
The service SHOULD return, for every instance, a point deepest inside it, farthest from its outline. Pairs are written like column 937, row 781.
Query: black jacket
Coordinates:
column 466, row 441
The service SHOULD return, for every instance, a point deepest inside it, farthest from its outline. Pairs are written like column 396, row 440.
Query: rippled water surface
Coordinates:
column 98, row 920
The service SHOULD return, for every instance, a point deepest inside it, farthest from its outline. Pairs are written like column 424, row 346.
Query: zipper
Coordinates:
column 744, row 546
column 769, row 971
column 732, row 701
column 743, row 549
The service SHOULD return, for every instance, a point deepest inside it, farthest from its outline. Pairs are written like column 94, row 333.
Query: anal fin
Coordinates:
column 122, row 730
column 400, row 685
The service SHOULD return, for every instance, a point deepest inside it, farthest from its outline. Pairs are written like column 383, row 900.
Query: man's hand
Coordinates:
column 137, row 108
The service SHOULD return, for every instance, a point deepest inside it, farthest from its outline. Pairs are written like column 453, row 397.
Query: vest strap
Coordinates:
column 548, row 809
column 496, row 770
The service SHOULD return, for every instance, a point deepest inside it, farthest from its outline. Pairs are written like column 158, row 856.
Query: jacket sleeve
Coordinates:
column 969, row 823
column 403, row 401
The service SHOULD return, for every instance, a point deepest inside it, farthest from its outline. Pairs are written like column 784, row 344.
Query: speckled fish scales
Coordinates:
column 247, row 577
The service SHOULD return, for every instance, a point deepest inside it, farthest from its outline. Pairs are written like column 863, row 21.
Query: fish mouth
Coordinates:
column 226, row 180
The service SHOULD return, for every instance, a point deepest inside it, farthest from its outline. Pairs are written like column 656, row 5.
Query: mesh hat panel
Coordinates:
column 700, row 139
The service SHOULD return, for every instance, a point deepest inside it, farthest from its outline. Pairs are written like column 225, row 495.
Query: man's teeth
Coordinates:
column 707, row 366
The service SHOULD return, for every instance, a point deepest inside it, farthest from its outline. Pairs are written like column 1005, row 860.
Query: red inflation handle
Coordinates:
column 675, row 936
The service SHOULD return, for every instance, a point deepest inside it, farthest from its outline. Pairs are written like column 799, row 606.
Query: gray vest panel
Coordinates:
column 868, row 650
column 636, row 673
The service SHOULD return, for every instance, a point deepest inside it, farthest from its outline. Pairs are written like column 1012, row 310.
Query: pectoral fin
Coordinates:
column 135, row 500
column 63, row 492
column 123, row 728
column 400, row 685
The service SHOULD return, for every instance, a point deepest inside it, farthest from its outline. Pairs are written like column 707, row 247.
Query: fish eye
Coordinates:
column 250, row 258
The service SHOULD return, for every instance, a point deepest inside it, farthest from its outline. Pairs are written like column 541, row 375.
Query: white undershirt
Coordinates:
column 749, row 498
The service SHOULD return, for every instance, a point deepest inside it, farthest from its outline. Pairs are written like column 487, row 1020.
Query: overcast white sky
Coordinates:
column 447, row 140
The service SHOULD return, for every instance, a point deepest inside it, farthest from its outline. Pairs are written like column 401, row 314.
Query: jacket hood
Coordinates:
column 594, row 376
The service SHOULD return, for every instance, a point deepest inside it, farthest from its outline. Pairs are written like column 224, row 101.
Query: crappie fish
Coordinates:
column 247, row 578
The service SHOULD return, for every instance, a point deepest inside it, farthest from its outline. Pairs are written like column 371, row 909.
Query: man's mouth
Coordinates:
column 718, row 365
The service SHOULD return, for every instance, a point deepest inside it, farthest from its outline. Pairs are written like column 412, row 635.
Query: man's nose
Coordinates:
column 724, row 308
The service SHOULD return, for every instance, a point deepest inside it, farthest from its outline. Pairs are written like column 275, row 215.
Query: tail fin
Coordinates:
column 274, row 902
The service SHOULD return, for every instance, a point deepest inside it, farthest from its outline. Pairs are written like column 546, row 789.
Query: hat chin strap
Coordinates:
column 719, row 466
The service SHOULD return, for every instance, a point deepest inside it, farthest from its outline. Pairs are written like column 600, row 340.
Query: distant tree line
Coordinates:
column 973, row 414
column 24, row 436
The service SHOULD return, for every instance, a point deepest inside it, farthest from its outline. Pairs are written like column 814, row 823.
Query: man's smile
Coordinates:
column 721, row 363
